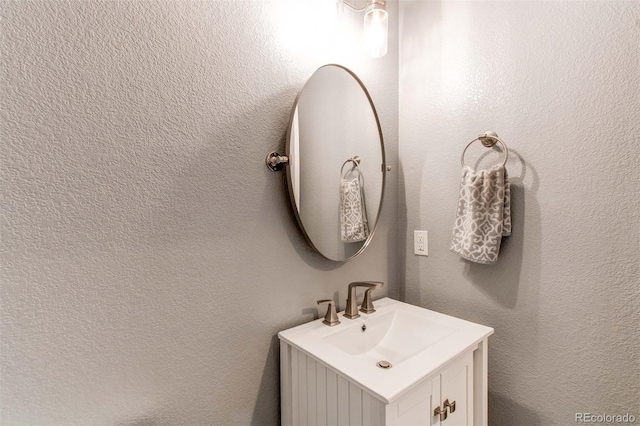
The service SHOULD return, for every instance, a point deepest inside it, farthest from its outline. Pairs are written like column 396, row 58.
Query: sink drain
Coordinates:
column 384, row 364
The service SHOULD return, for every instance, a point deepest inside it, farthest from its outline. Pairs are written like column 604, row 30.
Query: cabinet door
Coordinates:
column 414, row 408
column 456, row 385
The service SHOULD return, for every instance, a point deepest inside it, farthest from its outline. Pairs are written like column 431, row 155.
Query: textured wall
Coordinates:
column 560, row 82
column 148, row 256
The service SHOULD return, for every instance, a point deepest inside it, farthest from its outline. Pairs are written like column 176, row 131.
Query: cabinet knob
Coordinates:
column 451, row 405
column 442, row 412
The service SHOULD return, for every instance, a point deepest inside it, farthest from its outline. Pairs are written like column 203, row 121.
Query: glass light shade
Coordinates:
column 376, row 27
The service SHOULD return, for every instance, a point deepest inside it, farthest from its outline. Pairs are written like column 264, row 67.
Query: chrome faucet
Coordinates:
column 351, row 311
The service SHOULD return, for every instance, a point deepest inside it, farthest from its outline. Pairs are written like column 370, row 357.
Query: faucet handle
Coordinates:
column 367, row 303
column 331, row 318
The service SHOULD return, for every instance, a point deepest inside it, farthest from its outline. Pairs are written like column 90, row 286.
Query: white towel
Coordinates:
column 484, row 214
column 353, row 214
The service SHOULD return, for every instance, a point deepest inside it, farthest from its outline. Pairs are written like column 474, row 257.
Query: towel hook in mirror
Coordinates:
column 356, row 163
column 488, row 139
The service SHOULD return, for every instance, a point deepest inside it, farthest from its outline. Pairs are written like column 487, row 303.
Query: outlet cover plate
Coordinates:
column 420, row 243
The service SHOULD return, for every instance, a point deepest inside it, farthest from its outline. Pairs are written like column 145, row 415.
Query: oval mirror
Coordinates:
column 336, row 172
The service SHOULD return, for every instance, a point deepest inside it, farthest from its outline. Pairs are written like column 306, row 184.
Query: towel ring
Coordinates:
column 355, row 160
column 488, row 139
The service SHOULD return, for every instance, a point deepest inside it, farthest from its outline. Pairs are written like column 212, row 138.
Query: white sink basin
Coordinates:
column 415, row 341
column 391, row 336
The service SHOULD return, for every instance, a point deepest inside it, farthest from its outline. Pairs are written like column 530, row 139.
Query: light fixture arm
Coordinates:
column 344, row 2
column 369, row 3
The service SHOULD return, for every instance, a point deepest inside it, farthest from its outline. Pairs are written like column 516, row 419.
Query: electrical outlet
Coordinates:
column 420, row 243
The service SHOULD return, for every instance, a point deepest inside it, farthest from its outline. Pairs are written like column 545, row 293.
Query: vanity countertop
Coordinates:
column 416, row 341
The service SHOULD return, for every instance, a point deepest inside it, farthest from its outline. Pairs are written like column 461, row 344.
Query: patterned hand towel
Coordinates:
column 353, row 214
column 484, row 214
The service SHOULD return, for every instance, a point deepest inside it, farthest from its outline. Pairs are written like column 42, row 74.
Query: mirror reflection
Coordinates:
column 337, row 166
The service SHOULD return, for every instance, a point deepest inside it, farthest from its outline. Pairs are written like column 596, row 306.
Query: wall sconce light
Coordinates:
column 376, row 26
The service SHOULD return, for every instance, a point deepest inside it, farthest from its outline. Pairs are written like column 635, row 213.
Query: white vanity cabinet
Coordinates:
column 438, row 377
column 314, row 394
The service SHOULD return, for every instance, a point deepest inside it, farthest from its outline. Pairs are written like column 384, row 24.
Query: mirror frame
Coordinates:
column 383, row 166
